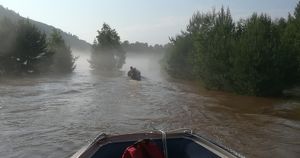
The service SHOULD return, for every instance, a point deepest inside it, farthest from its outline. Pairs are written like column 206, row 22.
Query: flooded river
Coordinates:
column 54, row 116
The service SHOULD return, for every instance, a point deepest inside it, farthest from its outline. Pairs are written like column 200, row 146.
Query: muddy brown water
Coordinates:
column 55, row 116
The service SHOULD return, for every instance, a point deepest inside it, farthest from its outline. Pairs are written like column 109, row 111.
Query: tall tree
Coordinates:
column 30, row 48
column 262, row 65
column 214, row 47
column 297, row 11
column 63, row 60
column 107, row 51
column 179, row 56
column 290, row 44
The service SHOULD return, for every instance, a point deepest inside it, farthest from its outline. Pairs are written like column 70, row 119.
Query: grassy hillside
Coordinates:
column 71, row 40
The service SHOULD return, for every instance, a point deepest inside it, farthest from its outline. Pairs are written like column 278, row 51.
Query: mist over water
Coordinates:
column 54, row 116
column 147, row 63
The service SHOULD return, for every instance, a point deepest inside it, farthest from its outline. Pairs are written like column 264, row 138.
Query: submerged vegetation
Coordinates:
column 254, row 56
column 26, row 50
column 107, row 52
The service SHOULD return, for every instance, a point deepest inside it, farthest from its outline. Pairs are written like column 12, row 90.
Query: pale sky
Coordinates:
column 152, row 21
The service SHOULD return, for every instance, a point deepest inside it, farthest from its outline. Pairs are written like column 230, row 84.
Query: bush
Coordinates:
column 63, row 60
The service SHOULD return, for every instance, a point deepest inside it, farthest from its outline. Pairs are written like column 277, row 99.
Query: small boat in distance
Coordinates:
column 174, row 145
column 134, row 74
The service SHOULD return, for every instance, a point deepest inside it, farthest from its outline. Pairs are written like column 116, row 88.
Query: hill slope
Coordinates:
column 72, row 40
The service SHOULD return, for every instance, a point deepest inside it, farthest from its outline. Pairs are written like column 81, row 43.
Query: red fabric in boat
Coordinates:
column 143, row 150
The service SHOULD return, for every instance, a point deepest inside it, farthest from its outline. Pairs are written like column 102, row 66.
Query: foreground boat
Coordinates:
column 177, row 145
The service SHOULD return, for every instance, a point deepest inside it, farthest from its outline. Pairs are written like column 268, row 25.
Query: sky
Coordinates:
column 151, row 21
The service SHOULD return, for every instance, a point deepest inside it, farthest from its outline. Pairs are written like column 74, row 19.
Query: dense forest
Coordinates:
column 24, row 49
column 107, row 52
column 72, row 40
column 140, row 47
column 254, row 56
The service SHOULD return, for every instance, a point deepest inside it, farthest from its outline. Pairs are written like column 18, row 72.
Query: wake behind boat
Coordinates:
column 174, row 145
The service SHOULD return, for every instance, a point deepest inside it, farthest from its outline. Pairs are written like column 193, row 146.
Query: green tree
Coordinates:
column 107, row 38
column 290, row 44
column 256, row 56
column 30, row 48
column 107, row 51
column 262, row 65
column 63, row 60
column 297, row 11
column 214, row 45
column 199, row 27
column 179, row 56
